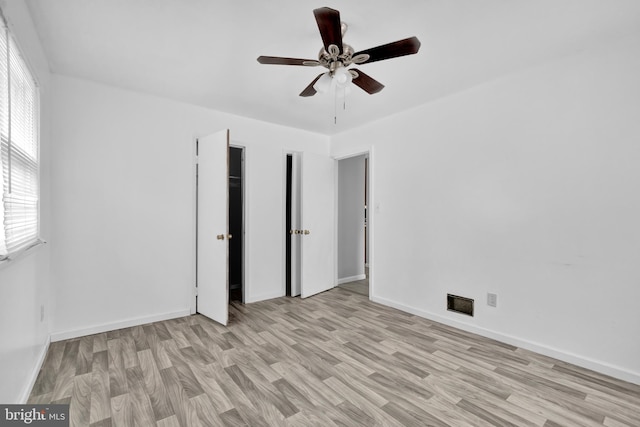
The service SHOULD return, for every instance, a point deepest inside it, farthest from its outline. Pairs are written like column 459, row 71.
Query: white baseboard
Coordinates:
column 33, row 376
column 594, row 365
column 112, row 326
column 352, row 279
column 263, row 297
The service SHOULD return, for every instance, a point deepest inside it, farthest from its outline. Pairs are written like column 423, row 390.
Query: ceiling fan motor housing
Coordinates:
column 333, row 59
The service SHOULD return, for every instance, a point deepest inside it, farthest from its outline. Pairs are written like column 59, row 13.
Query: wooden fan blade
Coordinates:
column 366, row 83
column 391, row 50
column 309, row 90
column 329, row 25
column 278, row 60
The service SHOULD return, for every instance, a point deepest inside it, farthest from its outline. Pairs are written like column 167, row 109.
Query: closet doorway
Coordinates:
column 309, row 230
column 292, row 227
column 220, row 225
column 236, row 224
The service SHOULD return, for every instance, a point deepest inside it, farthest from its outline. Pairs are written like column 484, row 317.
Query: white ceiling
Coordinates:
column 204, row 52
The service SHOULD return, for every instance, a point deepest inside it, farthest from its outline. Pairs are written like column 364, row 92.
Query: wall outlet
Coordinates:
column 42, row 313
column 492, row 300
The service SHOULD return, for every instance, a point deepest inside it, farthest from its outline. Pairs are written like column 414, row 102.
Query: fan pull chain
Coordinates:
column 344, row 99
column 335, row 107
column 335, row 104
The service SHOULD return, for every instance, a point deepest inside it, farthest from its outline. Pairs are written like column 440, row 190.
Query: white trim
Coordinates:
column 194, row 243
column 371, row 220
column 246, row 227
column 105, row 327
column 585, row 362
column 285, row 153
column 34, row 372
column 336, row 186
column 351, row 279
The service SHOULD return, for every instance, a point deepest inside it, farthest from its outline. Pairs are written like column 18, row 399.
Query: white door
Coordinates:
column 213, row 224
column 317, row 221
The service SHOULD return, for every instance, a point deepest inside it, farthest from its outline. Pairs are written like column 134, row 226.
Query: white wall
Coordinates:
column 526, row 187
column 24, row 283
column 351, row 219
column 124, row 218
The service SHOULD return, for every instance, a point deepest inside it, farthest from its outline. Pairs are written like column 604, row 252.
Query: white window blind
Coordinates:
column 19, row 165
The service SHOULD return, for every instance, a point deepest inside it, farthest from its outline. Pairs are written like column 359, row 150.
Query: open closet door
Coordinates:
column 212, row 235
column 317, row 220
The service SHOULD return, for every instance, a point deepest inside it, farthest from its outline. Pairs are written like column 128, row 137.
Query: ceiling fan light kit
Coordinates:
column 323, row 84
column 340, row 78
column 336, row 56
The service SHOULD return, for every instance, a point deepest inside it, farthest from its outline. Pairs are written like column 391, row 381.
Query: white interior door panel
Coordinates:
column 213, row 225
column 317, row 220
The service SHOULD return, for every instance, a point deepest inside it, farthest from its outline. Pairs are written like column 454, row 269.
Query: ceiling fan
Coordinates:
column 336, row 56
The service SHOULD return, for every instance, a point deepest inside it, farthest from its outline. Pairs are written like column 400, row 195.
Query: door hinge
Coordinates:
column 196, row 291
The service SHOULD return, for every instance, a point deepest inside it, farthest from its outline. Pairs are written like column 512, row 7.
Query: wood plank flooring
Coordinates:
column 357, row 287
column 335, row 359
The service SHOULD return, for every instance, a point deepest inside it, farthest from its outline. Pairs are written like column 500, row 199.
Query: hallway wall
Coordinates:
column 351, row 177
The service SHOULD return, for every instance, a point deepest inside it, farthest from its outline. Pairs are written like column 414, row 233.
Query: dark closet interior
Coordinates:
column 235, row 224
column 288, row 227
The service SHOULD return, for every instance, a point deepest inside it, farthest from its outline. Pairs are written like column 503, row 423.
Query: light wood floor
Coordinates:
column 335, row 359
column 358, row 286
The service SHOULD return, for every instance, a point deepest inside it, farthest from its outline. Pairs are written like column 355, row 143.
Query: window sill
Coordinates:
column 4, row 262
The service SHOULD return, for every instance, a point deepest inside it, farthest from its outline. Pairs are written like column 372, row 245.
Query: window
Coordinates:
column 19, row 162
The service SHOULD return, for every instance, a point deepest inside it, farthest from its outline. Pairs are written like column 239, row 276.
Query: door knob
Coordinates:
column 307, row 232
column 220, row 237
column 230, row 236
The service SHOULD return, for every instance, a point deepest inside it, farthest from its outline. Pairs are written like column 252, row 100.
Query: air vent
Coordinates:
column 460, row 304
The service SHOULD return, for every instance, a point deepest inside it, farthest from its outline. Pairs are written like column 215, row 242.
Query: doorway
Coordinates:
column 220, row 225
column 236, row 224
column 211, row 296
column 353, row 224
column 288, row 227
column 292, row 227
column 310, row 236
